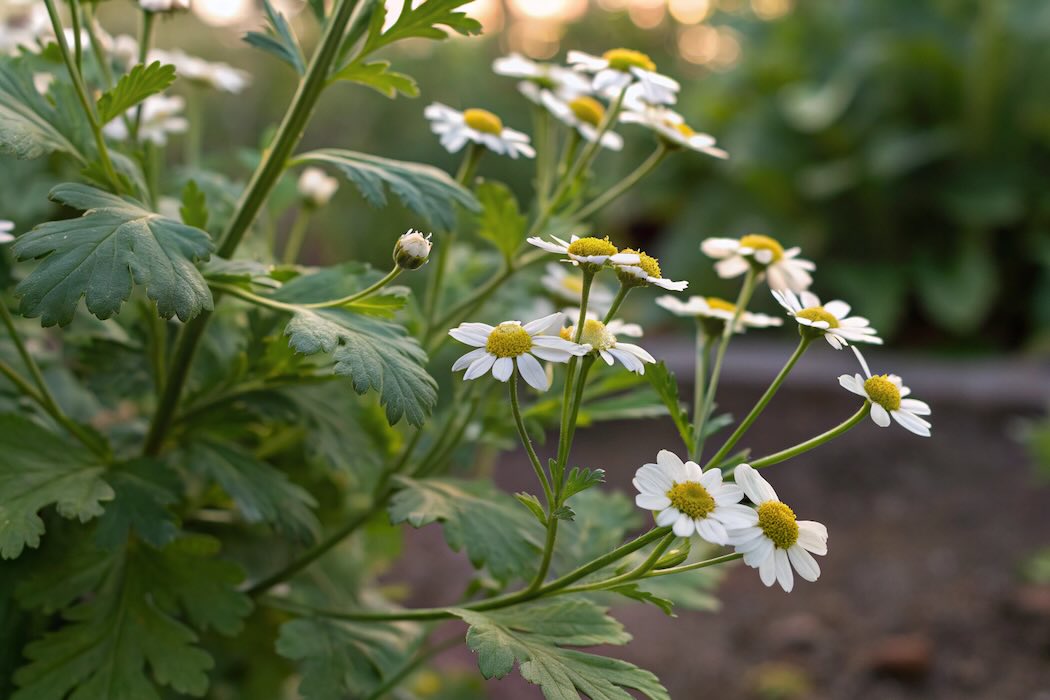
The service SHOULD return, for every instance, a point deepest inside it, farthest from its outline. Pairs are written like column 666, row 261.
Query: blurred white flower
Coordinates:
column 219, row 76
column 784, row 269
column 618, row 69
column 479, row 126
column 317, row 187
column 716, row 309
column 22, row 23
column 6, row 227
column 164, row 5
column 671, row 127
column 160, row 117
column 887, row 395
column 539, row 79
column 584, row 114
column 832, row 320
column 567, row 285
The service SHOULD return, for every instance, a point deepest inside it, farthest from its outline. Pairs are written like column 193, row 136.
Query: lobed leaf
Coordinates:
column 424, row 21
column 378, row 76
column 134, row 87
column 500, row 221
column 278, row 39
column 30, row 126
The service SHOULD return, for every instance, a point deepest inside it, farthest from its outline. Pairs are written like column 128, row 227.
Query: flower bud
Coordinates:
column 316, row 188
column 412, row 250
column 164, row 5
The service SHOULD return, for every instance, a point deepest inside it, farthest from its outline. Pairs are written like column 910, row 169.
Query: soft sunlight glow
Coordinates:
column 689, row 11
column 647, row 14
column 488, row 12
column 556, row 10
column 771, row 9
column 535, row 39
column 222, row 13
column 613, row 5
column 698, row 44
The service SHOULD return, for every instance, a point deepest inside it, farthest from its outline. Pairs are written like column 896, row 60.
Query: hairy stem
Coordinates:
column 537, row 466
column 817, row 441
column 703, row 357
column 296, row 236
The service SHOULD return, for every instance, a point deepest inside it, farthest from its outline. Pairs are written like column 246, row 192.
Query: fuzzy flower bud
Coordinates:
column 316, row 188
column 412, row 250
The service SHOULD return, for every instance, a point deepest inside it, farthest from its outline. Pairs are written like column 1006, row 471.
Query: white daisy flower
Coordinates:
column 887, row 394
column 6, row 227
column 412, row 249
column 777, row 542
column 478, row 125
column 691, row 500
column 164, row 5
column 589, row 250
column 646, row 272
column 316, row 187
column 832, row 320
column 567, row 285
column 160, row 117
column 601, row 338
column 719, row 311
column 618, row 69
column 219, row 76
column 670, row 126
column 501, row 348
column 584, row 114
column 539, row 79
column 783, row 268
column 22, row 23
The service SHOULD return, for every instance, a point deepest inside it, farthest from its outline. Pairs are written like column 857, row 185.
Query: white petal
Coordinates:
column 767, row 570
column 653, row 478
column 853, row 384
column 813, row 536
column 502, row 368
column 549, row 354
column 532, row 372
column 912, row 422
column 731, row 267
column 469, row 337
column 651, row 501
column 757, row 489
column 736, row 516
column 760, row 553
column 667, row 517
column 480, row 366
column 712, row 531
column 719, row 247
column 683, row 526
column 464, row 361
column 785, row 578
column 837, row 308
column 804, row 563
column 627, row 360
column 879, row 415
column 545, row 324
column 919, row 408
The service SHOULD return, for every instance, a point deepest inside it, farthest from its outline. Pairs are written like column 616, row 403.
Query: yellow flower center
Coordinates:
column 588, row 246
column 720, row 304
column 819, row 313
column 594, row 334
column 626, row 59
column 760, row 242
column 778, row 523
column 691, row 498
column 572, row 284
column 685, row 130
column 588, row 110
column 648, row 263
column 483, row 120
column 509, row 340
column 883, row 392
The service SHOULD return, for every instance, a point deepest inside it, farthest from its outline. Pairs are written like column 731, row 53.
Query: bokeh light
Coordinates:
column 770, row 9
column 647, row 14
column 689, row 11
column 224, row 13
column 550, row 10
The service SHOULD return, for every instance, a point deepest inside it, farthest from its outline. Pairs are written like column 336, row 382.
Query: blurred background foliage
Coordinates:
column 904, row 144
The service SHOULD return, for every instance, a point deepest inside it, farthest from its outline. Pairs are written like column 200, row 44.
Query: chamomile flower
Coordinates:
column 160, row 117
column 6, row 227
column 691, row 500
column 645, row 272
column 783, row 268
column 316, row 187
column 588, row 250
column 778, row 542
column 218, row 76
column 479, row 126
column 617, row 69
column 602, row 340
column 567, row 285
column 539, row 79
column 584, row 114
column 512, row 344
column 716, row 311
column 670, row 126
column 22, row 23
column 832, row 320
column 887, row 394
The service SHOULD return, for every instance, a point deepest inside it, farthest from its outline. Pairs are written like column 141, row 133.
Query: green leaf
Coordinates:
column 421, row 21
column 533, row 504
column 278, row 40
column 666, row 387
column 30, row 126
column 477, row 517
column 134, row 87
column 631, row 590
column 261, row 492
column 424, row 189
column 582, row 479
column 194, row 209
column 377, row 355
column 500, row 220
column 38, row 469
column 144, row 488
column 100, row 254
column 344, row 659
column 378, row 76
column 535, row 636
column 129, row 625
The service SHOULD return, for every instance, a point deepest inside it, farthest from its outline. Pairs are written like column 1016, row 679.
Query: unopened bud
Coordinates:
column 316, row 188
column 412, row 250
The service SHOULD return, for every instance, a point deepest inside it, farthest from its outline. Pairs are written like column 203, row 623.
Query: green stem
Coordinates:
column 621, row 294
column 82, row 95
column 23, row 352
column 145, row 40
column 469, row 165
column 293, row 308
column 703, row 357
column 394, row 679
column 21, row 384
column 631, row 575
column 742, row 300
column 761, row 405
column 625, row 184
column 537, row 466
column 544, row 150
column 96, row 47
column 158, row 345
column 817, row 441
column 78, row 44
column 358, row 296
column 695, row 565
column 194, row 137
column 297, row 235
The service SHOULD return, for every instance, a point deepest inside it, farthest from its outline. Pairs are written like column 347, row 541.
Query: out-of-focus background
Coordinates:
column 905, row 145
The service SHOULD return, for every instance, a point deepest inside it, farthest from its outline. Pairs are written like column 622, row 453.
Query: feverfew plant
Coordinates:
column 207, row 467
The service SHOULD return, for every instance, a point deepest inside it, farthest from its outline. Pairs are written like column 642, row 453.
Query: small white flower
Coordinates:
column 125, row 48
column 412, row 249
column 219, row 76
column 601, row 338
column 567, row 285
column 22, row 24
column 584, row 114
column 316, row 186
column 716, row 309
column 783, row 268
column 501, row 348
column 689, row 499
column 887, row 395
column 833, row 319
column 164, row 5
column 671, row 127
column 160, row 117
column 618, row 69
column 646, row 272
column 42, row 82
column 589, row 250
column 539, row 79
column 478, row 125
column 777, row 542
column 6, row 227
